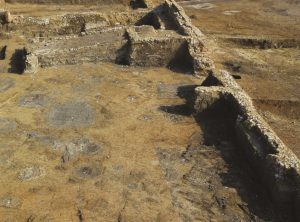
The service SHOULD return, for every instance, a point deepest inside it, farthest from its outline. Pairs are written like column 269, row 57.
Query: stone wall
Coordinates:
column 70, row 50
column 150, row 47
column 170, row 16
column 72, row 23
column 275, row 164
column 197, row 45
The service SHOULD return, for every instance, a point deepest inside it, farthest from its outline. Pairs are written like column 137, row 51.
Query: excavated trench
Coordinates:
column 261, row 43
column 80, row 139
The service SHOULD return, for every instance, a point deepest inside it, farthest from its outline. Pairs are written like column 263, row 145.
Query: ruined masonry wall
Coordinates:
column 276, row 165
column 202, row 63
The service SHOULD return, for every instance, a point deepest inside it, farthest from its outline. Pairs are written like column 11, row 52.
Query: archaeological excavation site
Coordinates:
column 149, row 110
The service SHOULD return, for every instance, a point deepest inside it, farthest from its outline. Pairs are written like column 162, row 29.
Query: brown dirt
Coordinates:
column 102, row 142
column 169, row 171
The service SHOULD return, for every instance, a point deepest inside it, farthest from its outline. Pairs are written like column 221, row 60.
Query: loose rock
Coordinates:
column 31, row 173
column 9, row 202
column 88, row 171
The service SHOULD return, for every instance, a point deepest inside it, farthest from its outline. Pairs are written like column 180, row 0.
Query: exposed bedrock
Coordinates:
column 276, row 165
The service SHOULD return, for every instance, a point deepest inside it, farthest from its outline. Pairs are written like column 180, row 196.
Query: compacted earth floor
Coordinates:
column 102, row 142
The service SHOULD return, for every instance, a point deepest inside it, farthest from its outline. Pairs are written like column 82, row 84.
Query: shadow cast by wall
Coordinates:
column 218, row 127
column 17, row 62
column 3, row 53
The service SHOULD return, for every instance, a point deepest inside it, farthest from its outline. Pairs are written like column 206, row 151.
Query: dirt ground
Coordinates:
column 105, row 142
column 111, row 143
column 270, row 75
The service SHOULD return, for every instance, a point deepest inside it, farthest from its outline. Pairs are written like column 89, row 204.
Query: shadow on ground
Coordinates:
column 232, row 172
column 17, row 62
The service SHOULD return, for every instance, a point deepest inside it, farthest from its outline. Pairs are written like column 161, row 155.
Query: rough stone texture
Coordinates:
column 8, row 201
column 31, row 63
column 73, row 50
column 82, row 37
column 202, row 63
column 5, row 16
column 277, row 166
column 72, row 23
column 80, row 146
column 149, row 47
column 161, row 47
column 31, row 173
column 170, row 16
